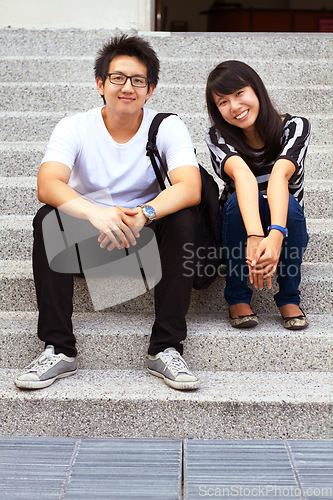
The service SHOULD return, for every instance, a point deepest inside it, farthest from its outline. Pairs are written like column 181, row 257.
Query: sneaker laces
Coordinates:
column 175, row 362
column 45, row 360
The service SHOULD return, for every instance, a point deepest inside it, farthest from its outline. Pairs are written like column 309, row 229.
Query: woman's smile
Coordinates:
column 242, row 115
column 240, row 108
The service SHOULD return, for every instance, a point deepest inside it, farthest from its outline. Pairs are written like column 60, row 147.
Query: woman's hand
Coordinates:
column 263, row 257
column 266, row 258
column 253, row 243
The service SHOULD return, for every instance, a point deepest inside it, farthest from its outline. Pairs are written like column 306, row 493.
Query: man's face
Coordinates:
column 125, row 98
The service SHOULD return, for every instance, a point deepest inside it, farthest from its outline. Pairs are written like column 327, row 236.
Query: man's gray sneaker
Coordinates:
column 47, row 368
column 170, row 366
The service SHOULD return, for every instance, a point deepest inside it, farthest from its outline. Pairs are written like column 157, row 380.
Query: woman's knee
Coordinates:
column 231, row 208
column 295, row 211
column 296, row 219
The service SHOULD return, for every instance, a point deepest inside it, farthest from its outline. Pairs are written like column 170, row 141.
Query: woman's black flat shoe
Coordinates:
column 248, row 321
column 295, row 322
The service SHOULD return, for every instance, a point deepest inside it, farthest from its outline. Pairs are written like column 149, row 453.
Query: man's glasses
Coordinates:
column 121, row 79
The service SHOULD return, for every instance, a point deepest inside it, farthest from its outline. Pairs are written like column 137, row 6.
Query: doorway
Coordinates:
column 244, row 16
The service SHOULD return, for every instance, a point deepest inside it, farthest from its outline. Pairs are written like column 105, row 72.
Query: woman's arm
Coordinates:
column 295, row 141
column 247, row 193
column 267, row 255
column 248, row 201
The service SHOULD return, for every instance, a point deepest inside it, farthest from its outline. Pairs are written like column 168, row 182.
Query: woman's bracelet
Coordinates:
column 256, row 235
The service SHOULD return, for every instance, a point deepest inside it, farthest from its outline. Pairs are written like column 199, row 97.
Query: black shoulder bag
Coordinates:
column 209, row 243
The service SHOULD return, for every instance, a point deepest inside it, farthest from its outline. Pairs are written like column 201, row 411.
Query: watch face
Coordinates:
column 149, row 211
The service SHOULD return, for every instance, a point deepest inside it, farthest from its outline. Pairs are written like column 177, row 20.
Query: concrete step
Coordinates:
column 175, row 68
column 38, row 126
column 18, row 229
column 19, row 196
column 131, row 403
column 24, row 159
column 119, row 341
column 21, row 158
column 85, row 43
column 18, row 292
column 177, row 98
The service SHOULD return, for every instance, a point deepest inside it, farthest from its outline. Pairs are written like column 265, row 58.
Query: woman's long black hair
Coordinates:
column 227, row 78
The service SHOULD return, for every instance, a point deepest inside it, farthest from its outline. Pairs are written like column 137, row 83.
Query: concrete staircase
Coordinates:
column 265, row 383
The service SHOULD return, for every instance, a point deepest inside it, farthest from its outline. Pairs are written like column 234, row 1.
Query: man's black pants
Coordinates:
column 172, row 294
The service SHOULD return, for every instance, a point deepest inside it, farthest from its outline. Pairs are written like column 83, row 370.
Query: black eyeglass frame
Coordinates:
column 130, row 78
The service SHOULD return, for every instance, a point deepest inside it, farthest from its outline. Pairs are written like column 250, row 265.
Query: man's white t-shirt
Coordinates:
column 108, row 173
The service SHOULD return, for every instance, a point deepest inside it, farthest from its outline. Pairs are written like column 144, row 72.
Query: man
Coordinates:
column 96, row 169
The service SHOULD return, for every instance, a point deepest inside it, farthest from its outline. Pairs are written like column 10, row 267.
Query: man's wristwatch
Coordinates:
column 149, row 212
column 283, row 230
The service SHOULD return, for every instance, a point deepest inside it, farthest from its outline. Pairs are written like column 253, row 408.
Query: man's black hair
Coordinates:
column 132, row 46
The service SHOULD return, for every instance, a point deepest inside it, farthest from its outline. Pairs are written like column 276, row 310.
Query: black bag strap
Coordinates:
column 152, row 151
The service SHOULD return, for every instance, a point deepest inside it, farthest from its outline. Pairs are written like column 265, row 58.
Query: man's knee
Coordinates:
column 183, row 222
column 40, row 215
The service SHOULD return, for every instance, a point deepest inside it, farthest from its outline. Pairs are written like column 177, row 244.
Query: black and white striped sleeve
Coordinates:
column 219, row 152
column 295, row 141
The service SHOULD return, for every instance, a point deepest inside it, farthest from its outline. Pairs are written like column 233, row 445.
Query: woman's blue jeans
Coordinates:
column 234, row 247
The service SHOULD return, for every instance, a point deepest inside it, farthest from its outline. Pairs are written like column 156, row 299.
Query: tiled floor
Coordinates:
column 266, row 469
column 67, row 468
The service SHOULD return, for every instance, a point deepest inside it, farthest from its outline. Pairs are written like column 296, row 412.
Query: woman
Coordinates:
column 260, row 155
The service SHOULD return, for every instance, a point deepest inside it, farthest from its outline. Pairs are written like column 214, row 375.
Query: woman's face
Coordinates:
column 240, row 109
